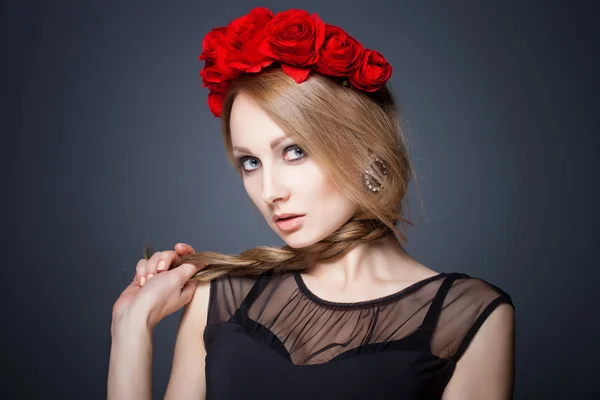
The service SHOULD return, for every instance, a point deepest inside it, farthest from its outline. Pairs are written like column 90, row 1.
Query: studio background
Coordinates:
column 108, row 141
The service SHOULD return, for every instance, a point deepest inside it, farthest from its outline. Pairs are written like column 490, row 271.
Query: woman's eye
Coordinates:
column 247, row 167
column 295, row 148
column 248, row 164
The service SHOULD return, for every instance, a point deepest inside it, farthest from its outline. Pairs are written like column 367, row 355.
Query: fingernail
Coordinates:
column 142, row 280
column 150, row 276
column 161, row 265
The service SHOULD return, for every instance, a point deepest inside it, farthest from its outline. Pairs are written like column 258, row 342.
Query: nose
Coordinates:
column 274, row 188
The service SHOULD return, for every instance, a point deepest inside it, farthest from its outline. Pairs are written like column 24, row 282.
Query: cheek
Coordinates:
column 252, row 187
column 333, row 202
column 314, row 184
column 309, row 181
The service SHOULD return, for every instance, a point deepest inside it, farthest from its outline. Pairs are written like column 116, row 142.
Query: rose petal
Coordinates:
column 297, row 73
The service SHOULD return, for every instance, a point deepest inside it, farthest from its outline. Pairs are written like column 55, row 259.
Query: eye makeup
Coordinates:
column 241, row 160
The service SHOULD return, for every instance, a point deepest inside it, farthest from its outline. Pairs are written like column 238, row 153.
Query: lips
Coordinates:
column 290, row 217
column 290, row 223
column 283, row 217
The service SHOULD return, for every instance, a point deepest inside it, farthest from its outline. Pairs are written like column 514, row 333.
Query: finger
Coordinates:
column 157, row 258
column 152, row 262
column 188, row 290
column 171, row 257
column 140, row 272
column 184, row 272
column 166, row 260
column 183, row 249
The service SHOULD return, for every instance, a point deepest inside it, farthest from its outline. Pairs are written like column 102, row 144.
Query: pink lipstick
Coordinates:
column 290, row 224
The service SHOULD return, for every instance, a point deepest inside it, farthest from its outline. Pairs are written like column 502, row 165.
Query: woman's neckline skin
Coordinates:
column 400, row 293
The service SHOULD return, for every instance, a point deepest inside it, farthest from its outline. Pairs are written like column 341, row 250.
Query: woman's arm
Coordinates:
column 135, row 314
column 130, row 365
column 130, row 369
column 187, row 379
column 486, row 369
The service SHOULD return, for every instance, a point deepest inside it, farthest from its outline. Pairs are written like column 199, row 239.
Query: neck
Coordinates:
column 382, row 259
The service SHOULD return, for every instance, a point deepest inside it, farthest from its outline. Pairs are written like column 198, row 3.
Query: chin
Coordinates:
column 304, row 236
column 298, row 242
column 300, row 238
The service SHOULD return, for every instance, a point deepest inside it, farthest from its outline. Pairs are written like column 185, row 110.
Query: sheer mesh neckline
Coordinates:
column 402, row 292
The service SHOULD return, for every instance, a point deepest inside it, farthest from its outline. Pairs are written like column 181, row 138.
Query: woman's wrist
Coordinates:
column 130, row 369
column 130, row 324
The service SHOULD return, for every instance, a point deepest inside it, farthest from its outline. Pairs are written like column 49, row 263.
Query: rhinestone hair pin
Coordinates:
column 375, row 174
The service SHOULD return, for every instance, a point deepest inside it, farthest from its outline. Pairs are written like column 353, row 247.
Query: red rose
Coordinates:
column 215, row 103
column 373, row 72
column 214, row 51
column 245, row 35
column 217, row 71
column 212, row 42
column 340, row 54
column 218, row 86
column 294, row 37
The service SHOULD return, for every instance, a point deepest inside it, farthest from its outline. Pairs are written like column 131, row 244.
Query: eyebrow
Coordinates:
column 273, row 143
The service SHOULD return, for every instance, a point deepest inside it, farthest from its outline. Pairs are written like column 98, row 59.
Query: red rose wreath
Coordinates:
column 300, row 42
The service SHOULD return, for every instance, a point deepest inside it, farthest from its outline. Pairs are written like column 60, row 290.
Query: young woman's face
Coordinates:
column 284, row 179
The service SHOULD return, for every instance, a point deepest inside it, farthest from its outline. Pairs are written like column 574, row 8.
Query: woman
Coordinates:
column 341, row 311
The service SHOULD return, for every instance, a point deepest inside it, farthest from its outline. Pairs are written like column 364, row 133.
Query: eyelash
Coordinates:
column 241, row 160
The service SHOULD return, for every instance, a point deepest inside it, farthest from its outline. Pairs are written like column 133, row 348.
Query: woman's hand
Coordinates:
column 149, row 302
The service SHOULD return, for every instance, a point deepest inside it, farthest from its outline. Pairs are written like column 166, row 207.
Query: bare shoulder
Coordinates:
column 486, row 370
column 197, row 308
column 187, row 372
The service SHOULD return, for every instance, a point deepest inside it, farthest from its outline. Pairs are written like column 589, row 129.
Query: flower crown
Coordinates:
column 298, row 41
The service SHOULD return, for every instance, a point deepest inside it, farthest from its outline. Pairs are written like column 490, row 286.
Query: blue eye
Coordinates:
column 254, row 160
column 243, row 160
column 295, row 147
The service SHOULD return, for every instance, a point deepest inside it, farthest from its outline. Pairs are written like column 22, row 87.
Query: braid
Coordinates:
column 262, row 259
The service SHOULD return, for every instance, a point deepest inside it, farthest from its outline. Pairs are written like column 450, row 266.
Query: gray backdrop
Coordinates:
column 107, row 141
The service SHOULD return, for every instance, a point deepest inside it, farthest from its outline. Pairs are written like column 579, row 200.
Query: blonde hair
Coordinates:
column 342, row 129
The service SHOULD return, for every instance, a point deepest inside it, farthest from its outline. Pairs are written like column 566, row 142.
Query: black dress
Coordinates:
column 272, row 338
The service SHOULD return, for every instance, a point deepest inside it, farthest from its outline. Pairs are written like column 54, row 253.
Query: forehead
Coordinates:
column 250, row 125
